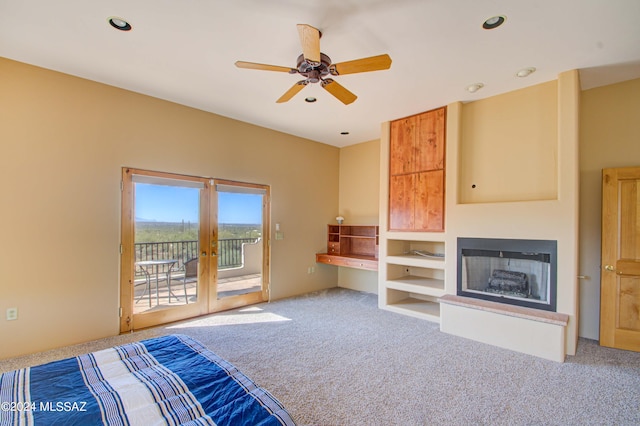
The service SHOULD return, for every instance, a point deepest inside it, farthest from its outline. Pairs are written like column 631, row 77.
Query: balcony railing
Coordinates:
column 229, row 253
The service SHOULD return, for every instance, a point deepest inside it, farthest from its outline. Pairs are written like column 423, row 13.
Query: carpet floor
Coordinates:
column 334, row 358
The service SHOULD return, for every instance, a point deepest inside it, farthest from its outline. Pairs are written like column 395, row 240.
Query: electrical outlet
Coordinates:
column 311, row 270
column 12, row 314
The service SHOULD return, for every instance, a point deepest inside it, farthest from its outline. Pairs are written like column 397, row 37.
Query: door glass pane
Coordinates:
column 239, row 243
column 166, row 246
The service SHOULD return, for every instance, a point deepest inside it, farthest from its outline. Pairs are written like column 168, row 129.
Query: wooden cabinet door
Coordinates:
column 416, row 172
column 401, row 202
column 402, row 146
column 429, row 201
column 429, row 142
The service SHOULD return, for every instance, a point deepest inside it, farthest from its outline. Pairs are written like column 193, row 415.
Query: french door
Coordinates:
column 175, row 263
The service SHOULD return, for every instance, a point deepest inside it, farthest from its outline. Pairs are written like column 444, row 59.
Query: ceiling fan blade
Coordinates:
column 310, row 41
column 292, row 92
column 264, row 67
column 373, row 63
column 337, row 90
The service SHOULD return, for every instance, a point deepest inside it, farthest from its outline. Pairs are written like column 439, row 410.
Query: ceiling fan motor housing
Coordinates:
column 314, row 71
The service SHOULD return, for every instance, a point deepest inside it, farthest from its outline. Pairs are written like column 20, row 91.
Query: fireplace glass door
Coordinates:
column 518, row 272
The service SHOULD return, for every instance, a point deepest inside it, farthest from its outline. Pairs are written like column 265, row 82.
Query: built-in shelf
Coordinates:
column 414, row 279
column 406, row 304
column 423, row 279
column 413, row 260
column 412, row 284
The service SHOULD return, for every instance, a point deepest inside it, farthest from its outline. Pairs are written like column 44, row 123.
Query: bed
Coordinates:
column 172, row 380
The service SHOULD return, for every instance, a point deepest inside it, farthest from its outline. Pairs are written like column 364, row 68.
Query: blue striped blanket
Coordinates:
column 170, row 380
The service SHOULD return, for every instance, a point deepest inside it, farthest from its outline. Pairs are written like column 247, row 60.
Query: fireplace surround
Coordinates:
column 512, row 271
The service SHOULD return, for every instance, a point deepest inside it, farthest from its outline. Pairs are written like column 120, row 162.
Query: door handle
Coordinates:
column 609, row 268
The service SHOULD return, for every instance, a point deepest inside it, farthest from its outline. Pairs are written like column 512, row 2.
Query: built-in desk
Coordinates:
column 353, row 246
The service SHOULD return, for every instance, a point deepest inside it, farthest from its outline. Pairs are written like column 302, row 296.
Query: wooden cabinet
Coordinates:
column 354, row 246
column 411, row 274
column 417, row 172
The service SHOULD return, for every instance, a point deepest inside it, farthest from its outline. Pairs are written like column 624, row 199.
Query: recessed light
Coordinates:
column 119, row 24
column 310, row 99
column 493, row 22
column 473, row 88
column 344, row 133
column 525, row 72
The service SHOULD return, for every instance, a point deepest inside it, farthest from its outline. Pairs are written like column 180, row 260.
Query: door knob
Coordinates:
column 203, row 254
column 609, row 268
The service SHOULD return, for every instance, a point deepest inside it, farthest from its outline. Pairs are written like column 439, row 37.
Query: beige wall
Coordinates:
column 64, row 141
column 508, row 149
column 609, row 137
column 359, row 183
column 358, row 203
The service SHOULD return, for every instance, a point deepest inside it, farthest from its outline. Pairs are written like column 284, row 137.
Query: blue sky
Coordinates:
column 162, row 203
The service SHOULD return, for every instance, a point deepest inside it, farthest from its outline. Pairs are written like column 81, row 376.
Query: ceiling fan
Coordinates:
column 316, row 66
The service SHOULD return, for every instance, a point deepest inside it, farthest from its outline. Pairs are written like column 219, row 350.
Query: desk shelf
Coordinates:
column 353, row 246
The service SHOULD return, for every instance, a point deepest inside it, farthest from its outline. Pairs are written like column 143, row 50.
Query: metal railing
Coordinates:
column 229, row 252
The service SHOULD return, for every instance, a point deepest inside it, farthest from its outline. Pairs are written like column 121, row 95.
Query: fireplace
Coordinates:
column 516, row 272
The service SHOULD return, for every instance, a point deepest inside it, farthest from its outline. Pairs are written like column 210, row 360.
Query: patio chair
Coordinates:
column 190, row 275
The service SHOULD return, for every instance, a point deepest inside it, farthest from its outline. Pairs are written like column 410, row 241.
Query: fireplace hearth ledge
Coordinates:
column 504, row 309
column 530, row 331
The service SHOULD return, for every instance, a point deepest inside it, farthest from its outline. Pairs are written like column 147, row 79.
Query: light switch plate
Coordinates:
column 12, row 314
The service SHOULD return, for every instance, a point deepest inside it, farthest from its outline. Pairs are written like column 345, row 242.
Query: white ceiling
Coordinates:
column 184, row 51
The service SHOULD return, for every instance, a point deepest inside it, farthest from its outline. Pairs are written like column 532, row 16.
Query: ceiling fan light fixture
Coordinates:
column 525, row 72
column 473, row 88
column 119, row 23
column 315, row 66
column 494, row 22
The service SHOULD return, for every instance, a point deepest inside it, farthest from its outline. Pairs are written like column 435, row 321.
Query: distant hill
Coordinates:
column 141, row 219
column 152, row 231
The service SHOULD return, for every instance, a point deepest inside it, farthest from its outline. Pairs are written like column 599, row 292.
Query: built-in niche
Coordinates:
column 508, row 147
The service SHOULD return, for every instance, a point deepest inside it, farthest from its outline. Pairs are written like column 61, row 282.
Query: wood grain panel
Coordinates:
column 628, row 267
column 629, row 228
column 403, row 135
column 362, row 246
column 429, row 147
column 345, row 246
column 629, row 304
column 401, row 202
column 429, row 201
